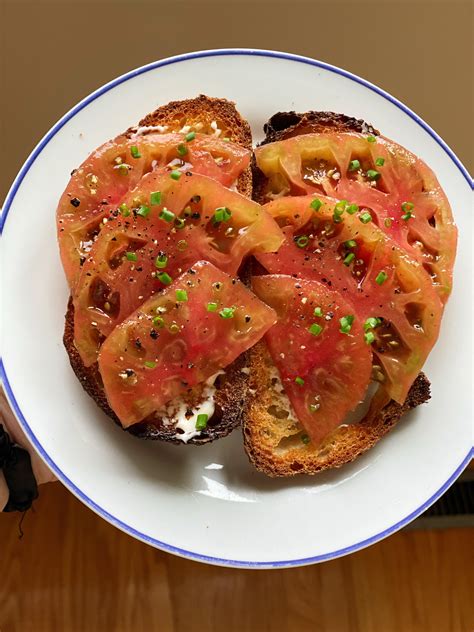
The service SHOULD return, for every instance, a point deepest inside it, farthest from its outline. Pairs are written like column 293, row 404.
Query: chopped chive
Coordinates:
column 174, row 328
column 350, row 244
column 348, row 259
column 369, row 337
column 155, row 198
column 179, row 222
column 315, row 329
column 143, row 211
column 211, row 307
column 182, row 149
column 161, row 262
column 407, row 206
column 305, row 439
column 227, row 312
column 302, row 241
column 407, row 216
column 131, row 256
column 150, row 365
column 166, row 215
column 299, row 380
column 346, row 323
column 181, row 295
column 354, row 165
column 371, row 323
column 381, row 277
column 365, row 217
column 182, row 245
column 316, row 204
column 221, row 214
column 201, row 422
column 134, row 151
column 337, row 219
column 165, row 278
column 123, row 169
column 124, row 210
column 371, row 139
column 380, row 162
column 387, row 222
column 340, row 207
column 158, row 321
column 175, row 174
column 318, row 312
column 352, row 208
column 189, row 137
column 372, row 174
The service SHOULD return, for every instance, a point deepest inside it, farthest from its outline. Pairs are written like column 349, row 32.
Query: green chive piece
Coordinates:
column 316, row 204
column 387, row 222
column 372, row 174
column 143, row 211
column 158, row 321
column 305, row 439
column 349, row 259
column 201, row 421
column 371, row 323
column 155, row 198
column 182, row 149
column 211, row 307
column 299, row 380
column 380, row 162
column 314, row 407
column 174, row 328
column 227, row 312
column 407, row 216
column 365, row 217
column 354, row 165
column 150, row 365
column 181, row 295
column 161, row 262
column 352, row 208
column 175, row 174
column 123, row 169
column 337, row 219
column 315, row 329
column 134, row 151
column 346, row 323
column 221, row 214
column 124, row 210
column 340, row 207
column 182, row 245
column 302, row 241
column 189, row 137
column 350, row 244
column 371, row 139
column 165, row 278
column 131, row 256
column 318, row 312
column 166, row 215
column 407, row 206
column 381, row 277
column 179, row 223
column 369, row 337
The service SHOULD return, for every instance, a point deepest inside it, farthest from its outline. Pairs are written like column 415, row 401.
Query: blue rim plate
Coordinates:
column 28, row 425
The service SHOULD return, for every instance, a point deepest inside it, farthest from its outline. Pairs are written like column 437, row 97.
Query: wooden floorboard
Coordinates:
column 73, row 572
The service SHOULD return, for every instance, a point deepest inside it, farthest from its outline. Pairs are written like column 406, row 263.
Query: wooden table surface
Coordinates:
column 73, row 572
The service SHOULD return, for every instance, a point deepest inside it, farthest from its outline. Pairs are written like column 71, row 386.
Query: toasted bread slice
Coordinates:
column 209, row 115
column 272, row 433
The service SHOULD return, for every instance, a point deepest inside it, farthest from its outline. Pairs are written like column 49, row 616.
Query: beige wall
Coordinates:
column 55, row 53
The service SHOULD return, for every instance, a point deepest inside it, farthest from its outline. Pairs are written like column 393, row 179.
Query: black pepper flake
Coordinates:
column 188, row 173
column 82, row 261
column 138, row 343
column 75, row 201
column 248, row 318
column 73, row 172
column 196, row 216
column 154, row 334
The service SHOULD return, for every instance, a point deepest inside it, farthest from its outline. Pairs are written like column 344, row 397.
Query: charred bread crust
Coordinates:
column 231, row 388
column 264, row 433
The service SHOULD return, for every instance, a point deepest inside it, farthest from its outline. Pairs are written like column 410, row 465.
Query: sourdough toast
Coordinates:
column 272, row 433
column 210, row 115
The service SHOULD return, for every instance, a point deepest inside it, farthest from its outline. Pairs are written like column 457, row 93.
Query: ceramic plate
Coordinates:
column 208, row 503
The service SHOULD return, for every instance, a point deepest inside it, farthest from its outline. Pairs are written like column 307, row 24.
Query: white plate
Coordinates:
column 208, row 503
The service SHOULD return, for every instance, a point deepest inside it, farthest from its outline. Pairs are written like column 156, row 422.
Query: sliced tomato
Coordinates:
column 406, row 199
column 117, row 167
column 122, row 270
column 371, row 272
column 179, row 338
column 325, row 372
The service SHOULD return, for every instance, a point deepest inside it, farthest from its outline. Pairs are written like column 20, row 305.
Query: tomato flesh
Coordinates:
column 369, row 270
column 123, row 267
column 111, row 171
column 174, row 342
column 324, row 372
column 402, row 192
